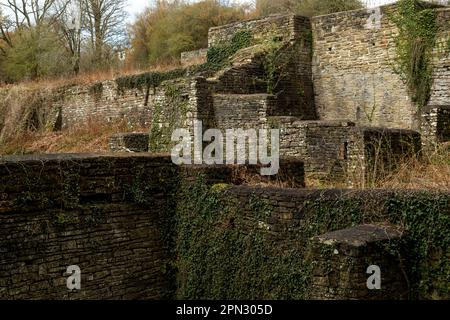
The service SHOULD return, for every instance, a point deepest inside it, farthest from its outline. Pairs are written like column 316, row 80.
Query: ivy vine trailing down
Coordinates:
column 217, row 57
column 224, row 251
column 417, row 26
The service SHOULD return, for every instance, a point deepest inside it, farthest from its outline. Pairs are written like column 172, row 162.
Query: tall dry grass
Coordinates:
column 89, row 137
column 431, row 171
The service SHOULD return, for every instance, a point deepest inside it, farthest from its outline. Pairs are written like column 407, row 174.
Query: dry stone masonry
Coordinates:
column 343, row 114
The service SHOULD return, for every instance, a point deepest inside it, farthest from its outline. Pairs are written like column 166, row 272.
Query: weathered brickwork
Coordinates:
column 321, row 144
column 193, row 57
column 376, row 152
column 440, row 93
column 294, row 89
column 110, row 215
column 64, row 210
column 344, row 256
column 344, row 276
column 252, row 114
column 129, row 142
column 103, row 101
column 353, row 72
column 291, row 174
column 288, row 27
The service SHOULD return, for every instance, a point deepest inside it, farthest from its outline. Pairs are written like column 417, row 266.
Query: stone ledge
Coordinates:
column 362, row 235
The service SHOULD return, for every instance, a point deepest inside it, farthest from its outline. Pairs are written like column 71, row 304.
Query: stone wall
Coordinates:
column 193, row 57
column 374, row 153
column 129, row 142
column 111, row 216
column 288, row 27
column 440, row 93
column 63, row 210
column 103, row 101
column 344, row 258
column 353, row 70
column 321, row 144
column 301, row 214
column 251, row 114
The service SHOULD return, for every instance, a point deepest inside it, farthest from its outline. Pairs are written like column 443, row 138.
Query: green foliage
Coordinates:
column 219, row 259
column 219, row 55
column 427, row 220
column 35, row 54
column 416, row 39
column 241, row 258
column 171, row 27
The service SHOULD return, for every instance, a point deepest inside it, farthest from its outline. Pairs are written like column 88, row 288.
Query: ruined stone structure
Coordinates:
column 111, row 216
column 339, row 74
column 342, row 111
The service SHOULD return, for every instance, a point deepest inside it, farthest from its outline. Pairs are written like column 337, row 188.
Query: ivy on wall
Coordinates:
column 167, row 118
column 417, row 26
column 225, row 250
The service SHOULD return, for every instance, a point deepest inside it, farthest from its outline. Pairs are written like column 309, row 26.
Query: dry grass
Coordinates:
column 431, row 172
column 91, row 137
column 92, row 77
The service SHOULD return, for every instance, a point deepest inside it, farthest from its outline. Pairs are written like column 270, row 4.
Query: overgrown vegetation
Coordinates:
column 242, row 259
column 418, row 29
column 91, row 136
column 167, row 118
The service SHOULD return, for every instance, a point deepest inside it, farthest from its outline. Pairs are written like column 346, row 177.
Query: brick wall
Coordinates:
column 353, row 71
column 64, row 210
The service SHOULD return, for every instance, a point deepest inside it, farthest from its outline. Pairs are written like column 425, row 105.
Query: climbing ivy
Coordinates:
column 219, row 56
column 166, row 120
column 217, row 258
column 147, row 80
column 418, row 29
column 227, row 249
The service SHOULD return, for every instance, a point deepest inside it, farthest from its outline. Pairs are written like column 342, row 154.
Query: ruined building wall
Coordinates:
column 353, row 72
column 294, row 90
column 57, row 211
column 440, row 92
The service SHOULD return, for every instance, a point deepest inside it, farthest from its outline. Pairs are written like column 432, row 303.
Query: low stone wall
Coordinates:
column 291, row 174
column 374, row 153
column 129, row 142
column 435, row 125
column 84, row 210
column 345, row 256
column 112, row 215
column 194, row 57
column 321, row 144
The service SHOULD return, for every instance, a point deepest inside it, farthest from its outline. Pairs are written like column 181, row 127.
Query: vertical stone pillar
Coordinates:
column 342, row 260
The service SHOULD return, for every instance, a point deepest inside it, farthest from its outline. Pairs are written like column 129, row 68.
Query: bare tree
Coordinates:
column 29, row 13
column 69, row 26
column 105, row 22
